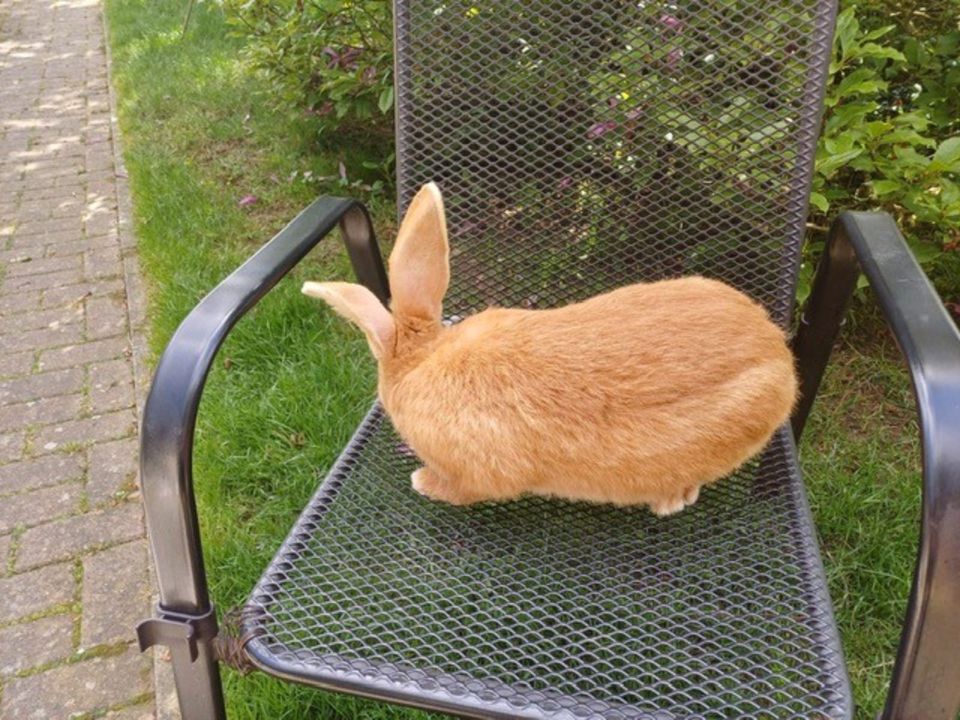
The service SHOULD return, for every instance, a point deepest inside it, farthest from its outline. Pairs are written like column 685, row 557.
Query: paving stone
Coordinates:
column 38, row 319
column 74, row 295
column 41, row 224
column 6, row 541
column 48, row 337
column 42, row 385
column 113, row 469
column 44, row 410
column 111, row 386
column 64, row 219
column 96, row 428
column 17, row 363
column 102, row 263
column 106, row 317
column 100, row 223
column 41, row 282
column 83, row 353
column 31, row 644
column 44, row 265
column 116, row 594
column 82, row 687
column 60, row 193
column 134, row 712
column 20, row 301
column 78, row 245
column 40, row 472
column 65, row 538
column 67, row 240
column 37, row 506
column 11, row 446
column 31, row 592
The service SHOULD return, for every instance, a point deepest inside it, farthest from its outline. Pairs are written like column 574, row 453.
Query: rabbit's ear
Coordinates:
column 420, row 261
column 361, row 307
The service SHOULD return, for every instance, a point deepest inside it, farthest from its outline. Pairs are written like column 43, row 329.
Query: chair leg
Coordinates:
column 198, row 685
column 190, row 640
column 820, row 322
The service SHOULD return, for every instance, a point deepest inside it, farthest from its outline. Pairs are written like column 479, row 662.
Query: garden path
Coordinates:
column 73, row 553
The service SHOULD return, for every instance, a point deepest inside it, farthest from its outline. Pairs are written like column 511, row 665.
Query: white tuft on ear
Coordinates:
column 420, row 261
column 360, row 306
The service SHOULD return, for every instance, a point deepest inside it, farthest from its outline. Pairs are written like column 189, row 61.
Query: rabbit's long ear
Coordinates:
column 361, row 307
column 420, row 261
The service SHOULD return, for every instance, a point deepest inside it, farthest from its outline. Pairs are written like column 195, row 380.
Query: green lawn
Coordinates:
column 291, row 383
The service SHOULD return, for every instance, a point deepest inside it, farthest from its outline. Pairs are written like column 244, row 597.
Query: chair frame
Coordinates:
column 926, row 675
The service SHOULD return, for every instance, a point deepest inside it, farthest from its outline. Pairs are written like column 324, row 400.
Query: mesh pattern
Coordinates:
column 585, row 144
column 537, row 607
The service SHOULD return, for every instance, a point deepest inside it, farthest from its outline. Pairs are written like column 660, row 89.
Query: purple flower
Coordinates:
column 565, row 183
column 674, row 57
column 332, row 54
column 247, row 200
column 634, row 113
column 348, row 60
column 600, row 129
column 671, row 23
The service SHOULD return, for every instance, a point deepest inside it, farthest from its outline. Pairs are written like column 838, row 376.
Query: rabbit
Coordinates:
column 640, row 395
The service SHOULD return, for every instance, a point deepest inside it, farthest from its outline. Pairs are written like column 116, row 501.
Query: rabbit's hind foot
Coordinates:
column 431, row 484
column 676, row 503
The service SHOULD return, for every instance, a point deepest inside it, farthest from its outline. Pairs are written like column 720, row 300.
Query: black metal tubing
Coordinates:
column 926, row 675
column 820, row 321
column 170, row 413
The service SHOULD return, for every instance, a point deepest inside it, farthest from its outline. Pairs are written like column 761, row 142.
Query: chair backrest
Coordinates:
column 586, row 144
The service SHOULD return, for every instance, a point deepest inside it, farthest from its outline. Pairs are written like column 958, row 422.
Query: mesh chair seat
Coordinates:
column 544, row 608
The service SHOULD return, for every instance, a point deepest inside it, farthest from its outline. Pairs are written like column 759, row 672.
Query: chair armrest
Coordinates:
column 926, row 675
column 171, row 408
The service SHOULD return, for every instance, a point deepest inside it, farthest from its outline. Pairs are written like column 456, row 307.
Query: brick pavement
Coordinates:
column 73, row 554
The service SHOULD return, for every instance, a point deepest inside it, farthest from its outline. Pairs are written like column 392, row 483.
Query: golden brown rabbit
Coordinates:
column 639, row 395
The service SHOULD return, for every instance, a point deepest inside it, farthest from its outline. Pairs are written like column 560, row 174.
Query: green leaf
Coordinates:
column 861, row 81
column 948, row 45
column 872, row 50
column 831, row 163
column 804, row 282
column 877, row 128
column 913, row 119
column 847, row 28
column 819, row 202
column 906, row 136
column 863, row 163
column 840, row 143
column 878, row 33
column 385, row 101
column 867, row 87
column 947, row 156
column 885, row 187
column 851, row 113
column 950, row 192
column 924, row 252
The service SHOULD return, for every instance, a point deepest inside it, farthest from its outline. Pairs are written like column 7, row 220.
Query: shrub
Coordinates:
column 332, row 59
column 890, row 135
column 891, row 129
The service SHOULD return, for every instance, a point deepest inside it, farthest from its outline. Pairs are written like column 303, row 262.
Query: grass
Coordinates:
column 861, row 462
column 291, row 382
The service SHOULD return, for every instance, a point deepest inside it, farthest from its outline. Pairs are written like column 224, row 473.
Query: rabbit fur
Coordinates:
column 640, row 395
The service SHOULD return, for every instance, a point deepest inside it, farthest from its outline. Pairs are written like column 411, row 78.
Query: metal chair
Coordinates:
column 580, row 145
